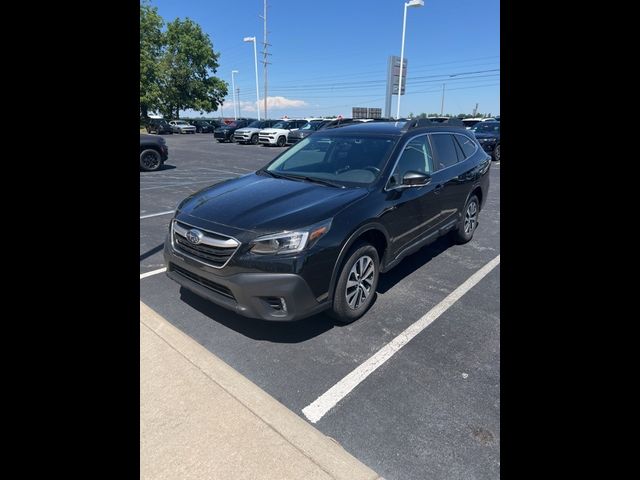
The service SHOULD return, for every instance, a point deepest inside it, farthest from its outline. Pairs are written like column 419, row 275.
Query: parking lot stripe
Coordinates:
column 316, row 410
column 157, row 214
column 153, row 272
column 185, row 183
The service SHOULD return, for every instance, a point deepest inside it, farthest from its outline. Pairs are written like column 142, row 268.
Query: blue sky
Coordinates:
column 331, row 55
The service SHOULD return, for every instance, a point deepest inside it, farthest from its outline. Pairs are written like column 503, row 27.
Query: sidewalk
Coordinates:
column 200, row 419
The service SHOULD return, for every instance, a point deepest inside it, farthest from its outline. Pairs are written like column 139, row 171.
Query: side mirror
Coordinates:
column 415, row 179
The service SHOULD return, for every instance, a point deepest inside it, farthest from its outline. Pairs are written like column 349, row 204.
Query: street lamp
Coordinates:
column 412, row 3
column 233, row 93
column 255, row 57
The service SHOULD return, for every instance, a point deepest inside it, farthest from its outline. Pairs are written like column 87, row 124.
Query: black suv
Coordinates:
column 158, row 125
column 488, row 134
column 153, row 152
column 225, row 133
column 202, row 126
column 314, row 228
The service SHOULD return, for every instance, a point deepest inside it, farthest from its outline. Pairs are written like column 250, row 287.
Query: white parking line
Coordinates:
column 316, row 410
column 157, row 214
column 153, row 272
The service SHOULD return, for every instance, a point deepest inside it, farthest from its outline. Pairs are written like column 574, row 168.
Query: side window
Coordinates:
column 415, row 157
column 445, row 150
column 467, row 145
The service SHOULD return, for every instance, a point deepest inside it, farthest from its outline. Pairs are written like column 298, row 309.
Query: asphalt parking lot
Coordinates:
column 431, row 410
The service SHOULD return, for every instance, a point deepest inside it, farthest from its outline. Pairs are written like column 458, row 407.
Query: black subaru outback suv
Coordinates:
column 314, row 228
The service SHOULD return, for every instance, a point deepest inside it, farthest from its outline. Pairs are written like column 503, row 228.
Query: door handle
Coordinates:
column 438, row 188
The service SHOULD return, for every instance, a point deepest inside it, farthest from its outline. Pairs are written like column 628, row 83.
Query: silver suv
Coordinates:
column 249, row 134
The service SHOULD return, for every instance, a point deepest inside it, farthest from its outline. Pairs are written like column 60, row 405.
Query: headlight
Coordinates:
column 290, row 242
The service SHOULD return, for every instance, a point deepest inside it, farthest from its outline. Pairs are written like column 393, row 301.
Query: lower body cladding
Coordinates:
column 268, row 296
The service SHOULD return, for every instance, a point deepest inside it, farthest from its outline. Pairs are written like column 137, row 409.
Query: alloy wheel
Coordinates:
column 360, row 282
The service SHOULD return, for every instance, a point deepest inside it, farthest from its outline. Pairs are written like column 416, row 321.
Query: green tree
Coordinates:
column 187, row 67
column 151, row 42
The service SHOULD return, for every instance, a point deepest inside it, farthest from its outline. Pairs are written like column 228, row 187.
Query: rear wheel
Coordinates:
column 468, row 222
column 150, row 160
column 357, row 283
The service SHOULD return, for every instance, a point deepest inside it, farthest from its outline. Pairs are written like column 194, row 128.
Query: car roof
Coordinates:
column 398, row 128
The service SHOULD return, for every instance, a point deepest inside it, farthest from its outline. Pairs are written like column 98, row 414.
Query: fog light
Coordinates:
column 277, row 303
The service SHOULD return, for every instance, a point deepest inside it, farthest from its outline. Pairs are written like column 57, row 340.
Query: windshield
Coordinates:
column 283, row 125
column 231, row 125
column 312, row 125
column 485, row 127
column 181, row 122
column 256, row 124
column 347, row 160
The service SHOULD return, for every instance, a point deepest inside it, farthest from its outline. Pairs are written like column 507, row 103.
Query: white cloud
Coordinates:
column 272, row 102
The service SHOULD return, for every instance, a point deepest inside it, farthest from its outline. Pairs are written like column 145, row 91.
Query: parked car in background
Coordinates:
column 314, row 228
column 159, row 126
column 296, row 135
column 249, row 134
column 224, row 133
column 182, row 126
column 488, row 135
column 153, row 152
column 277, row 135
column 202, row 126
column 470, row 122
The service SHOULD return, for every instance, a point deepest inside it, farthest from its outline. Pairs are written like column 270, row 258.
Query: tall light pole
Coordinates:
column 412, row 3
column 233, row 94
column 255, row 58
column 442, row 104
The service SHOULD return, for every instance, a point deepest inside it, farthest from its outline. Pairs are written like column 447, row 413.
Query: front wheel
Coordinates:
column 281, row 141
column 357, row 283
column 150, row 160
column 254, row 139
column 468, row 222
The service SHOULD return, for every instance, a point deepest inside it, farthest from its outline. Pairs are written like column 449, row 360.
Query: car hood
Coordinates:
column 247, row 130
column 270, row 131
column 264, row 204
column 487, row 135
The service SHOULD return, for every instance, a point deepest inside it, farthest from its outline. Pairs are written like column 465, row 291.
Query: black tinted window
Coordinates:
column 467, row 145
column 416, row 157
column 445, row 150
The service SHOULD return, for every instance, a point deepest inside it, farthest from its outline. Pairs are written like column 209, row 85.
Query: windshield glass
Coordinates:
column 312, row 125
column 181, row 122
column 347, row 160
column 232, row 125
column 283, row 125
column 486, row 127
column 256, row 124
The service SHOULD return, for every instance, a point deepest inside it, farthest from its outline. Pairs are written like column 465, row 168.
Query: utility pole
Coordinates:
column 265, row 55
column 442, row 104
column 475, row 110
column 238, row 97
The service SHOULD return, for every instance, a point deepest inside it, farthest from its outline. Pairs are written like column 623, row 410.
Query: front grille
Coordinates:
column 211, row 255
column 216, row 287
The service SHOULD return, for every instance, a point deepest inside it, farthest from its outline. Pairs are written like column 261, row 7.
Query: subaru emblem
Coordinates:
column 194, row 236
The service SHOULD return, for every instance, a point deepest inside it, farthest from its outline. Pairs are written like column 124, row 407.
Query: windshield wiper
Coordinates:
column 321, row 181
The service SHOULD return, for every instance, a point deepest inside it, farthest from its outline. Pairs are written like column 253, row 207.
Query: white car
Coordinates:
column 249, row 134
column 277, row 135
column 180, row 126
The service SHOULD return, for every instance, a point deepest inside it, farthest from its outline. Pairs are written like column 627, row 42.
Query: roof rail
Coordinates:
column 425, row 122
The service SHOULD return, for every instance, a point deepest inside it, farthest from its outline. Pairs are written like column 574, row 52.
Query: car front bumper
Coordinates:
column 267, row 140
column 250, row 294
column 222, row 135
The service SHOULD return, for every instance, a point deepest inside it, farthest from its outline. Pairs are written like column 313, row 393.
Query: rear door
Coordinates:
column 455, row 172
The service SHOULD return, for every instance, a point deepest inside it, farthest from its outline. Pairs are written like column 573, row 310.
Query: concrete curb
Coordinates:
column 323, row 451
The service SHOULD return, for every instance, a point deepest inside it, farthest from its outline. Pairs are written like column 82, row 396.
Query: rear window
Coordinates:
column 467, row 145
column 446, row 154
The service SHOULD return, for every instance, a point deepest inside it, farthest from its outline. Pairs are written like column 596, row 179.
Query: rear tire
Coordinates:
column 356, row 286
column 496, row 153
column 469, row 221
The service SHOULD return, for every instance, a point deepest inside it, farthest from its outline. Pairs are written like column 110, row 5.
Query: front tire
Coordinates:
column 254, row 139
column 468, row 222
column 150, row 160
column 357, row 283
column 281, row 141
